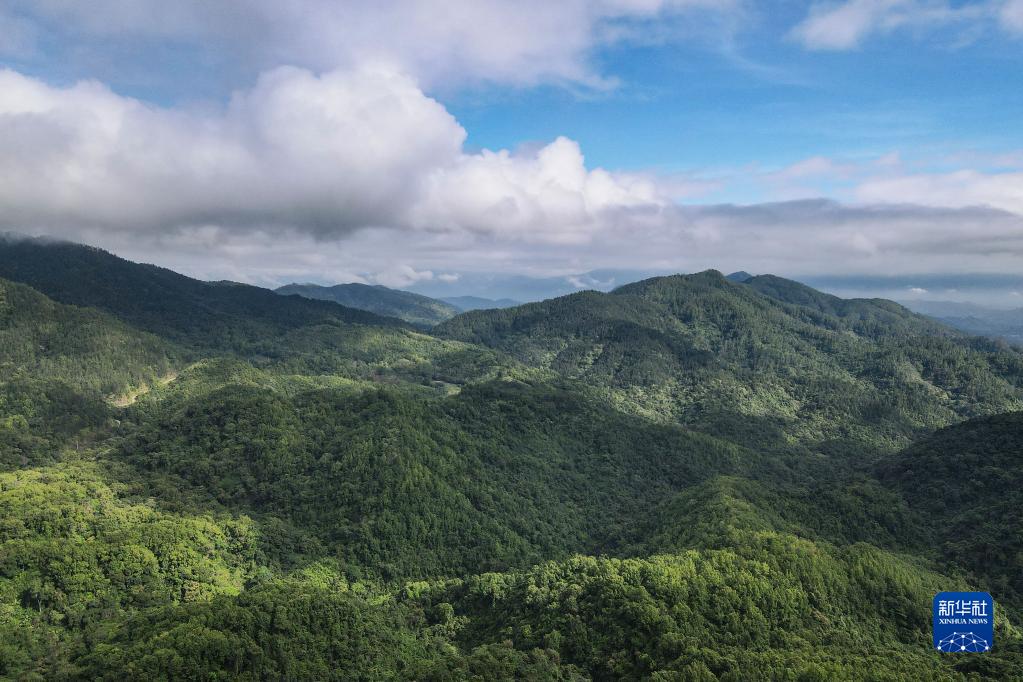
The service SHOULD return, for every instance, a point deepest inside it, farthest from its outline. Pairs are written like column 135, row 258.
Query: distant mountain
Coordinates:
column 497, row 286
column 740, row 276
column 405, row 305
column 997, row 323
column 984, row 289
column 223, row 315
column 464, row 303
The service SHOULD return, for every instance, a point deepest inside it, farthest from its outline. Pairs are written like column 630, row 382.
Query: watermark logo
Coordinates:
column 964, row 622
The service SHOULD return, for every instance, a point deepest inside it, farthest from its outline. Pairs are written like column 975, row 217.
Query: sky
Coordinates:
column 444, row 145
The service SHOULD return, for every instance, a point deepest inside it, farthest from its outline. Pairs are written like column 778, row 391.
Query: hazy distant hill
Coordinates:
column 464, row 303
column 413, row 308
column 998, row 323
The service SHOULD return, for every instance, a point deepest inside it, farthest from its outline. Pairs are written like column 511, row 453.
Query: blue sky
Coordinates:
column 418, row 143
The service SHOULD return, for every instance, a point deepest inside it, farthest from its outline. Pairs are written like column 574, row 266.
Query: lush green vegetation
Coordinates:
column 217, row 316
column 59, row 366
column 413, row 308
column 790, row 363
column 689, row 478
column 967, row 480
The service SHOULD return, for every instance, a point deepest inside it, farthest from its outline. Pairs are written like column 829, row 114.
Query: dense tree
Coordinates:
column 686, row 479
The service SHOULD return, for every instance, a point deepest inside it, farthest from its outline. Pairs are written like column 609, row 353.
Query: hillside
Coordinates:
column 210, row 315
column 967, row 482
column 759, row 361
column 415, row 309
column 59, row 365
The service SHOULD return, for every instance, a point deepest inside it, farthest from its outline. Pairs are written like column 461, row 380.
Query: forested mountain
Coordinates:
column 405, row 305
column 214, row 315
column 769, row 356
column 687, row 478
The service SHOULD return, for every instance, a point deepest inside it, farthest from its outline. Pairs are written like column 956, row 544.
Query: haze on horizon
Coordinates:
column 872, row 144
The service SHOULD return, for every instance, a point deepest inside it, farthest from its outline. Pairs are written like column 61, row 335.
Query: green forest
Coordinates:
column 687, row 478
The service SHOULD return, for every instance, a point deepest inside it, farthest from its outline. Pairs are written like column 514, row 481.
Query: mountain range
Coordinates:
column 687, row 477
column 999, row 323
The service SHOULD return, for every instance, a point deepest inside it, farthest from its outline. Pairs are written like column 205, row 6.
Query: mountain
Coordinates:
column 684, row 478
column 216, row 315
column 464, row 303
column 413, row 308
column 998, row 323
column 739, row 277
column 768, row 360
column 497, row 286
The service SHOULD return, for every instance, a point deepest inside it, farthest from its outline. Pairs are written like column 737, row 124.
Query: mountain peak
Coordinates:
column 739, row 277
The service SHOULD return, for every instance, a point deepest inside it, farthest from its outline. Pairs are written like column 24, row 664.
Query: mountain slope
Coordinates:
column 501, row 475
column 761, row 358
column 413, row 308
column 967, row 481
column 58, row 365
column 216, row 315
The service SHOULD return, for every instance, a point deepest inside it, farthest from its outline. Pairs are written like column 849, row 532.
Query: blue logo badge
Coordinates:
column 964, row 622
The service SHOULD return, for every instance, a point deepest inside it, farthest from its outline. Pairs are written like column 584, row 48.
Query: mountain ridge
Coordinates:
column 413, row 308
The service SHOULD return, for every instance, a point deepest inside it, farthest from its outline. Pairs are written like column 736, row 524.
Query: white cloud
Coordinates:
column 800, row 238
column 845, row 25
column 549, row 196
column 454, row 41
column 960, row 188
column 983, row 180
column 324, row 155
column 917, row 291
column 399, row 276
column 1012, row 15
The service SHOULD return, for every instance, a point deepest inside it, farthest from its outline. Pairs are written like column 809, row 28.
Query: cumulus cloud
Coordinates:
column 322, row 155
column 549, row 196
column 518, row 43
column 845, row 25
